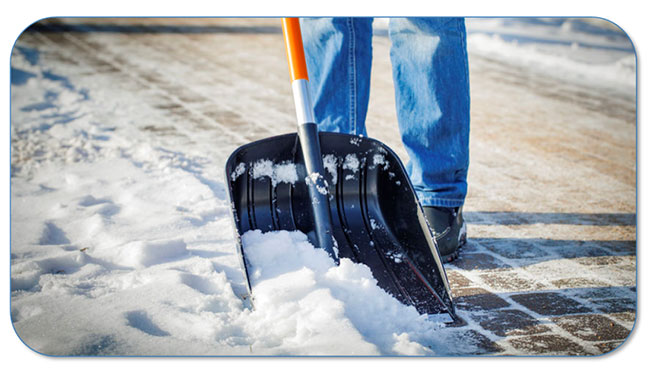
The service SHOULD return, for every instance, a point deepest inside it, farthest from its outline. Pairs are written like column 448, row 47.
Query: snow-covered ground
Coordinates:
column 121, row 240
column 592, row 51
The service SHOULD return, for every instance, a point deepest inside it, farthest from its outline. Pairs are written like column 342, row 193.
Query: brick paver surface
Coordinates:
column 550, row 266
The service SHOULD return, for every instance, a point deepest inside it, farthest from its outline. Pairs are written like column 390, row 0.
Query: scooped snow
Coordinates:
column 351, row 163
column 300, row 288
column 380, row 160
column 284, row 172
column 318, row 181
column 330, row 162
column 239, row 170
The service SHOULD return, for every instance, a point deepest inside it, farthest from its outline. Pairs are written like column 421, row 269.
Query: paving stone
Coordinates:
column 469, row 291
column 483, row 343
column 509, row 322
column 609, row 346
column 604, row 292
column 578, row 282
column 625, row 317
column 514, row 248
column 548, row 344
column 621, row 247
column 599, row 260
column 578, row 249
column 615, row 305
column 510, row 282
column 550, row 243
column 479, row 261
column 456, row 280
column 549, row 303
column 593, row 328
column 608, row 299
column 552, row 270
column 620, row 275
column 477, row 299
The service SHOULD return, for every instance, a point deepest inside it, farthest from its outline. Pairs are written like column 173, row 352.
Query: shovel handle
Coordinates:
column 295, row 50
column 298, row 70
column 309, row 140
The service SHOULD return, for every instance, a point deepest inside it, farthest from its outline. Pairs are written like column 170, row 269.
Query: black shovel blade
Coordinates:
column 376, row 217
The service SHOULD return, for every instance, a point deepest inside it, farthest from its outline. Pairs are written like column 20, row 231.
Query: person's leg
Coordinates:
column 431, row 75
column 338, row 52
column 430, row 71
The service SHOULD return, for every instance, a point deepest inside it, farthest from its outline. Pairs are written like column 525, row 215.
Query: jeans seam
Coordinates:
column 352, row 77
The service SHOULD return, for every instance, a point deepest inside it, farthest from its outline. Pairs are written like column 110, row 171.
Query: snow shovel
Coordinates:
column 350, row 195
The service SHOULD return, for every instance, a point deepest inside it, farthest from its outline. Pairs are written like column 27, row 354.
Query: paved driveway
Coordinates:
column 550, row 266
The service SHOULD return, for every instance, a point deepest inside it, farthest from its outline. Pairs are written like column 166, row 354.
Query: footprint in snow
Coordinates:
column 141, row 321
column 53, row 235
column 104, row 207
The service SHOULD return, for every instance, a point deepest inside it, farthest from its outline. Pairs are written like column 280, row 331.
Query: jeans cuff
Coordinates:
column 439, row 202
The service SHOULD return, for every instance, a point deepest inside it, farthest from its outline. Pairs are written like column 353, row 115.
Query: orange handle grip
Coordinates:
column 295, row 50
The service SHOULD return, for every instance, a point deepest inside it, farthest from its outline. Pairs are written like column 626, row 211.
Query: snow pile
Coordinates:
column 324, row 308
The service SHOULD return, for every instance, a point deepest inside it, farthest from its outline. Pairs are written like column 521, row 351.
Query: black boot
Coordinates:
column 448, row 228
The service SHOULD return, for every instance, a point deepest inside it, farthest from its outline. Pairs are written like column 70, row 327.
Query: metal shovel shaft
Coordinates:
column 308, row 136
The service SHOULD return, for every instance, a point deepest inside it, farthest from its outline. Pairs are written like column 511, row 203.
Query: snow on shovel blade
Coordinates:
column 376, row 217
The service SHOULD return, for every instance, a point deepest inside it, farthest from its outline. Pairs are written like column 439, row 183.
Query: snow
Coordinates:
column 319, row 182
column 326, row 305
column 330, row 163
column 380, row 160
column 239, row 170
column 284, row 172
column 585, row 51
column 352, row 163
column 121, row 246
column 122, row 243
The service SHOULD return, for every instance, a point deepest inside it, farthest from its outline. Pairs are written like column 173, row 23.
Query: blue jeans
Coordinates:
column 430, row 71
